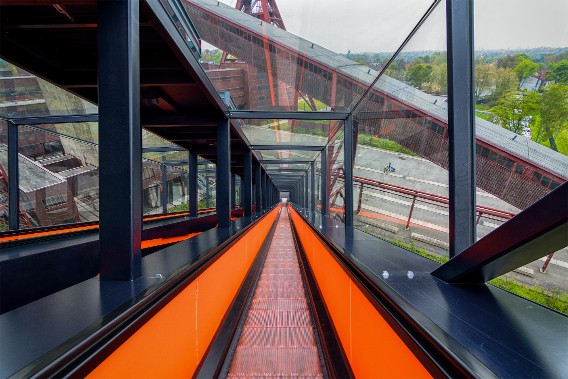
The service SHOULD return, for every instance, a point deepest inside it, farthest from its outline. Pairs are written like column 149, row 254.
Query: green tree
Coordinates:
column 525, row 68
column 553, row 113
column 418, row 74
column 485, row 76
column 505, row 81
column 438, row 80
column 511, row 61
column 559, row 72
column 517, row 109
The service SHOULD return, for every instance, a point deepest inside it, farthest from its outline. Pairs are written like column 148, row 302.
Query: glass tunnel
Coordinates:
column 274, row 188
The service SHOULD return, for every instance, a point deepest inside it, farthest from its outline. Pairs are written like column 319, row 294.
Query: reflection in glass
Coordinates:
column 400, row 174
column 265, row 67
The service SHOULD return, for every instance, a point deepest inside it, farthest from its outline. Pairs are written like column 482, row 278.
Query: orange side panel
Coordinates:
column 173, row 342
column 372, row 347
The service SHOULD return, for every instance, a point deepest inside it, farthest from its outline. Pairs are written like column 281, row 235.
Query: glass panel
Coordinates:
column 58, row 176
column 288, row 154
column 522, row 139
column 25, row 95
column 151, row 185
column 311, row 66
column 206, row 181
column 292, row 132
column 400, row 174
column 335, row 181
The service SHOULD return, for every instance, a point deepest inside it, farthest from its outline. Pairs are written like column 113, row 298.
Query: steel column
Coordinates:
column 313, row 184
column 258, row 188
column 233, row 191
column 306, row 196
column 13, row 177
column 461, row 125
column 120, row 141
column 348, row 157
column 247, row 181
column 207, row 192
column 223, row 174
column 323, row 186
column 164, row 173
column 193, row 198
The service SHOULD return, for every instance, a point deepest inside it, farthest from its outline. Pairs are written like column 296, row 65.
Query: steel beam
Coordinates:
column 306, row 196
column 461, row 125
column 13, row 177
column 285, row 161
column 162, row 149
column 537, row 231
column 193, row 198
column 286, row 147
column 56, row 119
column 268, row 115
column 120, row 141
column 223, row 174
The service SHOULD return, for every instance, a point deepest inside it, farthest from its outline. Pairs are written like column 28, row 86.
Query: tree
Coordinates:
column 553, row 113
column 438, row 80
column 510, row 61
column 505, row 81
column 517, row 110
column 559, row 72
column 526, row 68
column 418, row 74
column 485, row 75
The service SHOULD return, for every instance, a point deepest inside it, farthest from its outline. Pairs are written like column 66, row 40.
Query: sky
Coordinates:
column 382, row 25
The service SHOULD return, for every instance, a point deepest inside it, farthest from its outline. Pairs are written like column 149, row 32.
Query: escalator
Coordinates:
column 277, row 332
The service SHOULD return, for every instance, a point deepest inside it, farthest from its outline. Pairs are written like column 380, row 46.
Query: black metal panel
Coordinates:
column 268, row 115
column 120, row 140
column 223, row 174
column 461, row 126
column 536, row 232
column 192, row 190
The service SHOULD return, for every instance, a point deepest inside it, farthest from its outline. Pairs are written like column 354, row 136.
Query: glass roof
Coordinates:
column 24, row 95
column 296, row 61
column 288, row 132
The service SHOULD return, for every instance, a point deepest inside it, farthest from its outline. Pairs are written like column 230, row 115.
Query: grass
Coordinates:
column 556, row 300
column 383, row 143
column 304, row 106
column 561, row 140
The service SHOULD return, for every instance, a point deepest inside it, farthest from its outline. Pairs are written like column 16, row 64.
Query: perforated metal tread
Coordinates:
column 277, row 339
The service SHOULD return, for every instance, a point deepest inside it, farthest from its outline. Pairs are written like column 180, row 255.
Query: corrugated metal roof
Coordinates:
column 494, row 134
